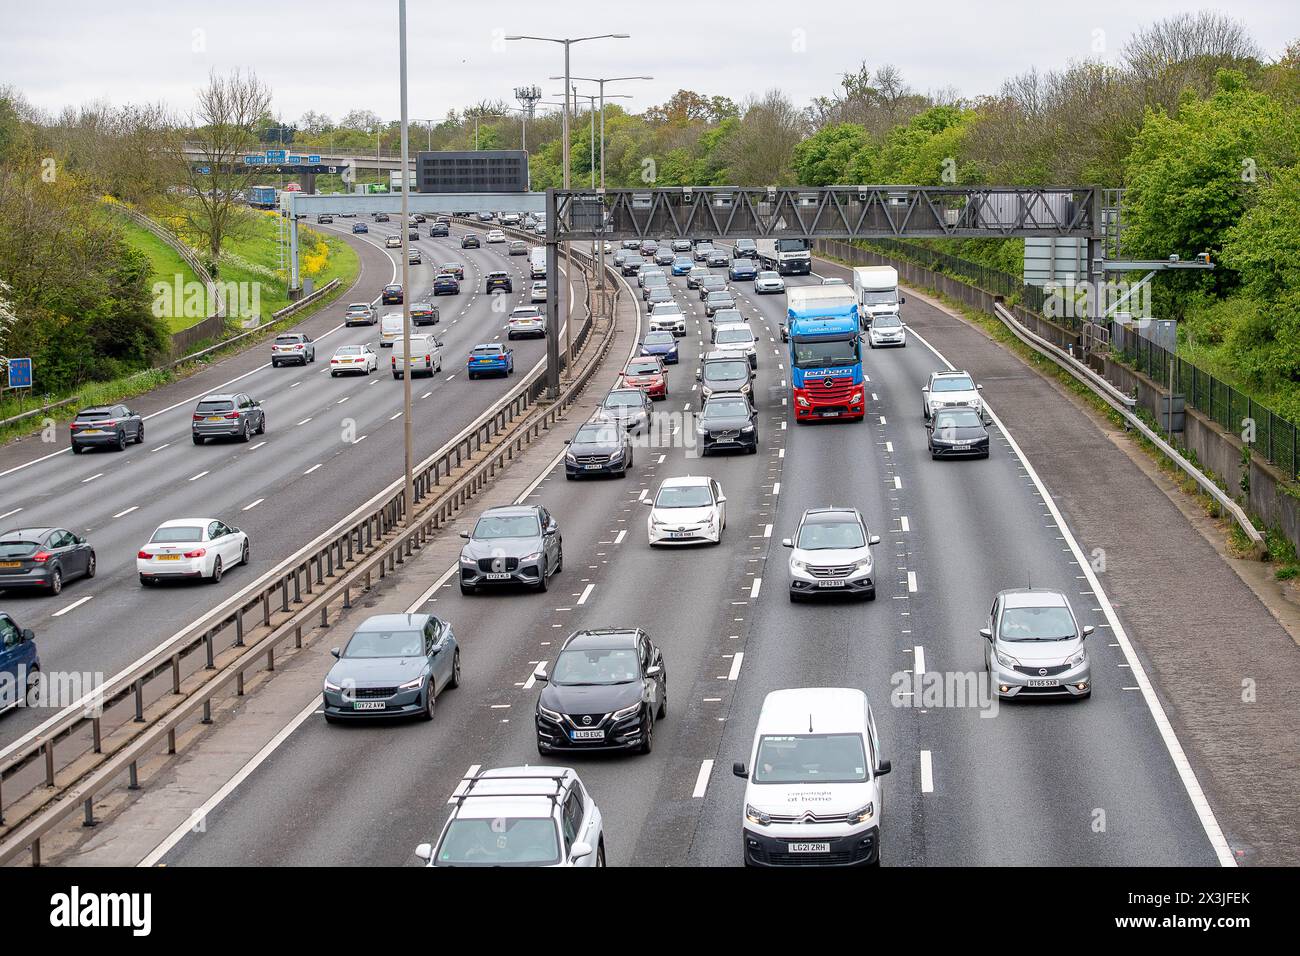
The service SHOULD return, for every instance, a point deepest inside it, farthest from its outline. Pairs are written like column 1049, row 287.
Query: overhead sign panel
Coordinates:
column 472, row 171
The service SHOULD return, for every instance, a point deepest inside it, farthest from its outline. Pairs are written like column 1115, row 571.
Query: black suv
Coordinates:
column 439, row 229
column 499, row 282
column 470, row 241
column 605, row 692
column 745, row 249
column 728, row 421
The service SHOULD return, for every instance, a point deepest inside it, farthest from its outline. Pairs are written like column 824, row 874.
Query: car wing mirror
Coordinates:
column 979, row 388
column 986, row 633
column 541, row 675
column 874, row 539
column 335, row 652
column 465, row 535
column 648, row 502
column 424, row 851
column 787, row 542
column 654, row 670
column 738, row 768
column 925, row 388
column 1088, row 629
column 580, row 849
column 27, row 634
column 884, row 768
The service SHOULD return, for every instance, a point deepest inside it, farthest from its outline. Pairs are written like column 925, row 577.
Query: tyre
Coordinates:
column 471, row 376
column 648, row 736
column 455, row 670
column 56, row 581
column 216, row 570
column 871, row 595
column 663, row 704
column 261, row 425
column 247, row 434
column 559, row 561
column 198, row 439
column 139, row 438
column 243, row 553
column 543, row 584
column 396, row 376
column 331, row 720
column 146, row 581
column 90, row 566
column 430, row 700
column 600, row 853
column 121, row 441
column 333, row 374
column 274, row 364
column 77, row 449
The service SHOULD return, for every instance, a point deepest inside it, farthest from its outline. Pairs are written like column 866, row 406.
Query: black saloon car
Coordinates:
column 43, row 558
column 957, row 432
column 605, row 692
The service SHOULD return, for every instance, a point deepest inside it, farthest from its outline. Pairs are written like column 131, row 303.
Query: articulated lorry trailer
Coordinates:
column 825, row 355
column 876, row 289
column 786, row 256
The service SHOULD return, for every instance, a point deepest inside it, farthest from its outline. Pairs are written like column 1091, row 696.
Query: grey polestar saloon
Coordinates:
column 393, row 665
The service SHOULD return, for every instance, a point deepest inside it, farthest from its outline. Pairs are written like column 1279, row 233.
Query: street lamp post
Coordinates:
column 552, row 343
column 408, row 492
column 602, row 81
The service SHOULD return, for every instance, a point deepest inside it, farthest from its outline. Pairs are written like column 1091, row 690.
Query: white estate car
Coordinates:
column 538, row 292
column 520, row 816
column 354, row 358
column 950, row 390
column 496, row 235
column 831, row 552
column 191, row 548
column 736, row 339
column 687, row 510
column 526, row 320
column 813, row 793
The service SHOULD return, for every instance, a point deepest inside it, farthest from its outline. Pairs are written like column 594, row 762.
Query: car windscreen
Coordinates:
column 500, row 841
column 963, row 418
column 719, row 296
column 210, row 407
column 824, row 354
column 92, row 416
column 742, row 264
column 359, row 307
column 287, row 340
column 588, row 666
column 642, row 368
column 830, row 535
column 684, row 496
column 726, row 371
column 713, row 283
column 624, row 399
column 384, row 643
column 177, row 533
column 598, row 435
column 887, row 321
column 525, row 314
column 348, row 350
column 493, row 527
column 1036, row 624
column 955, row 383
column 734, row 337
column 811, row 758
column 660, row 338
column 487, row 351
column 730, row 408
column 769, row 275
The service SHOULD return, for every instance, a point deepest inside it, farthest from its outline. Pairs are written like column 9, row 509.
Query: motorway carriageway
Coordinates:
column 282, row 488
column 1042, row 782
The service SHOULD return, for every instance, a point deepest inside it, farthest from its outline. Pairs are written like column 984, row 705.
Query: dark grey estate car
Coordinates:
column 512, row 544
column 227, row 416
column 393, row 665
column 109, row 425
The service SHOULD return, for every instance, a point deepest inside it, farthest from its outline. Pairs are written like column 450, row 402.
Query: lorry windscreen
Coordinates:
column 823, row 353
column 888, row 297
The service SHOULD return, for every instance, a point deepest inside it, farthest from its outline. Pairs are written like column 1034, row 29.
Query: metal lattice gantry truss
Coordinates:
column 828, row 212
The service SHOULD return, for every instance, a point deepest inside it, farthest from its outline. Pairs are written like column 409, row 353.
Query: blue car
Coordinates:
column 360, row 227
column 662, row 344
column 682, row 265
column 446, row 284
column 19, row 662
column 392, row 666
column 490, row 359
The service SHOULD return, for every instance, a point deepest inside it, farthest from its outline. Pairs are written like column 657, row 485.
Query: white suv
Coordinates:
column 496, row 235
column 831, row 552
column 950, row 390
column 813, row 796
column 736, row 339
column 668, row 317
column 520, row 816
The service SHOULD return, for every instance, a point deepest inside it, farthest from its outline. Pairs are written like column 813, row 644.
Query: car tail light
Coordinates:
column 197, row 417
column 143, row 554
column 428, row 358
column 297, row 348
column 40, row 557
column 232, row 415
column 197, row 553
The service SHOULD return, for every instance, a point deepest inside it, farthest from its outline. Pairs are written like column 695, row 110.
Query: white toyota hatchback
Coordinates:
column 687, row 510
column 191, row 548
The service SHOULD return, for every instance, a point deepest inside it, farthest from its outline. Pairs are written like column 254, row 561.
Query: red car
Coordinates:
column 647, row 374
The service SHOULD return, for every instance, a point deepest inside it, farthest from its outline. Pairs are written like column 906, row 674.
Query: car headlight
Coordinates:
column 803, row 402
column 412, row 684
column 548, row 714
column 754, row 815
column 700, row 429
column 747, row 429
column 332, row 686
column 531, row 557
column 861, row 815
column 1077, row 658
column 798, row 565
column 1006, row 660
column 570, row 457
column 863, row 565
column 469, row 561
column 626, row 712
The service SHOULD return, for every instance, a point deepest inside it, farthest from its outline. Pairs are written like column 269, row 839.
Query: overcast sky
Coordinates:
column 331, row 57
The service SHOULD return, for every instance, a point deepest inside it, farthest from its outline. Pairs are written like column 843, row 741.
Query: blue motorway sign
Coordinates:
column 20, row 373
column 276, row 155
column 313, row 160
column 254, row 160
column 296, row 160
column 205, row 170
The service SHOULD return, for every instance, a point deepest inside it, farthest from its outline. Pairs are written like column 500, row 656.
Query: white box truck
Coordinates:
column 786, row 256
column 876, row 289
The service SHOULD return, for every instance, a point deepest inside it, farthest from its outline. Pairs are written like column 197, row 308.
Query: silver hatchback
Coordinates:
column 1033, row 645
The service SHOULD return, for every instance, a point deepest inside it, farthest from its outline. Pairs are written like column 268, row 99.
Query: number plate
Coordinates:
column 11, row 564
column 592, row 467
column 830, row 414
column 498, row 576
column 214, row 418
column 961, row 444
column 831, row 583
column 681, row 534
column 808, row 847
column 1043, row 682
column 588, row 735
column 93, row 431
column 369, row 705
column 167, row 557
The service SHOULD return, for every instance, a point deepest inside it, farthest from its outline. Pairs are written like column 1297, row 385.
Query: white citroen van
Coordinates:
column 813, row 795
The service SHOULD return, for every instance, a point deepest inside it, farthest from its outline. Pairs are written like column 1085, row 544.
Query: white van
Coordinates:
column 426, row 356
column 813, row 795
column 390, row 328
column 736, row 338
column 537, row 262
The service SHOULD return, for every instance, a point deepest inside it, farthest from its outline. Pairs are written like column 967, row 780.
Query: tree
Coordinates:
column 1186, row 52
column 760, row 147
column 823, row 159
column 224, row 129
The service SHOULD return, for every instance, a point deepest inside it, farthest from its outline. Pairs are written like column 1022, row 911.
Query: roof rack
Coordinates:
column 554, row 797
